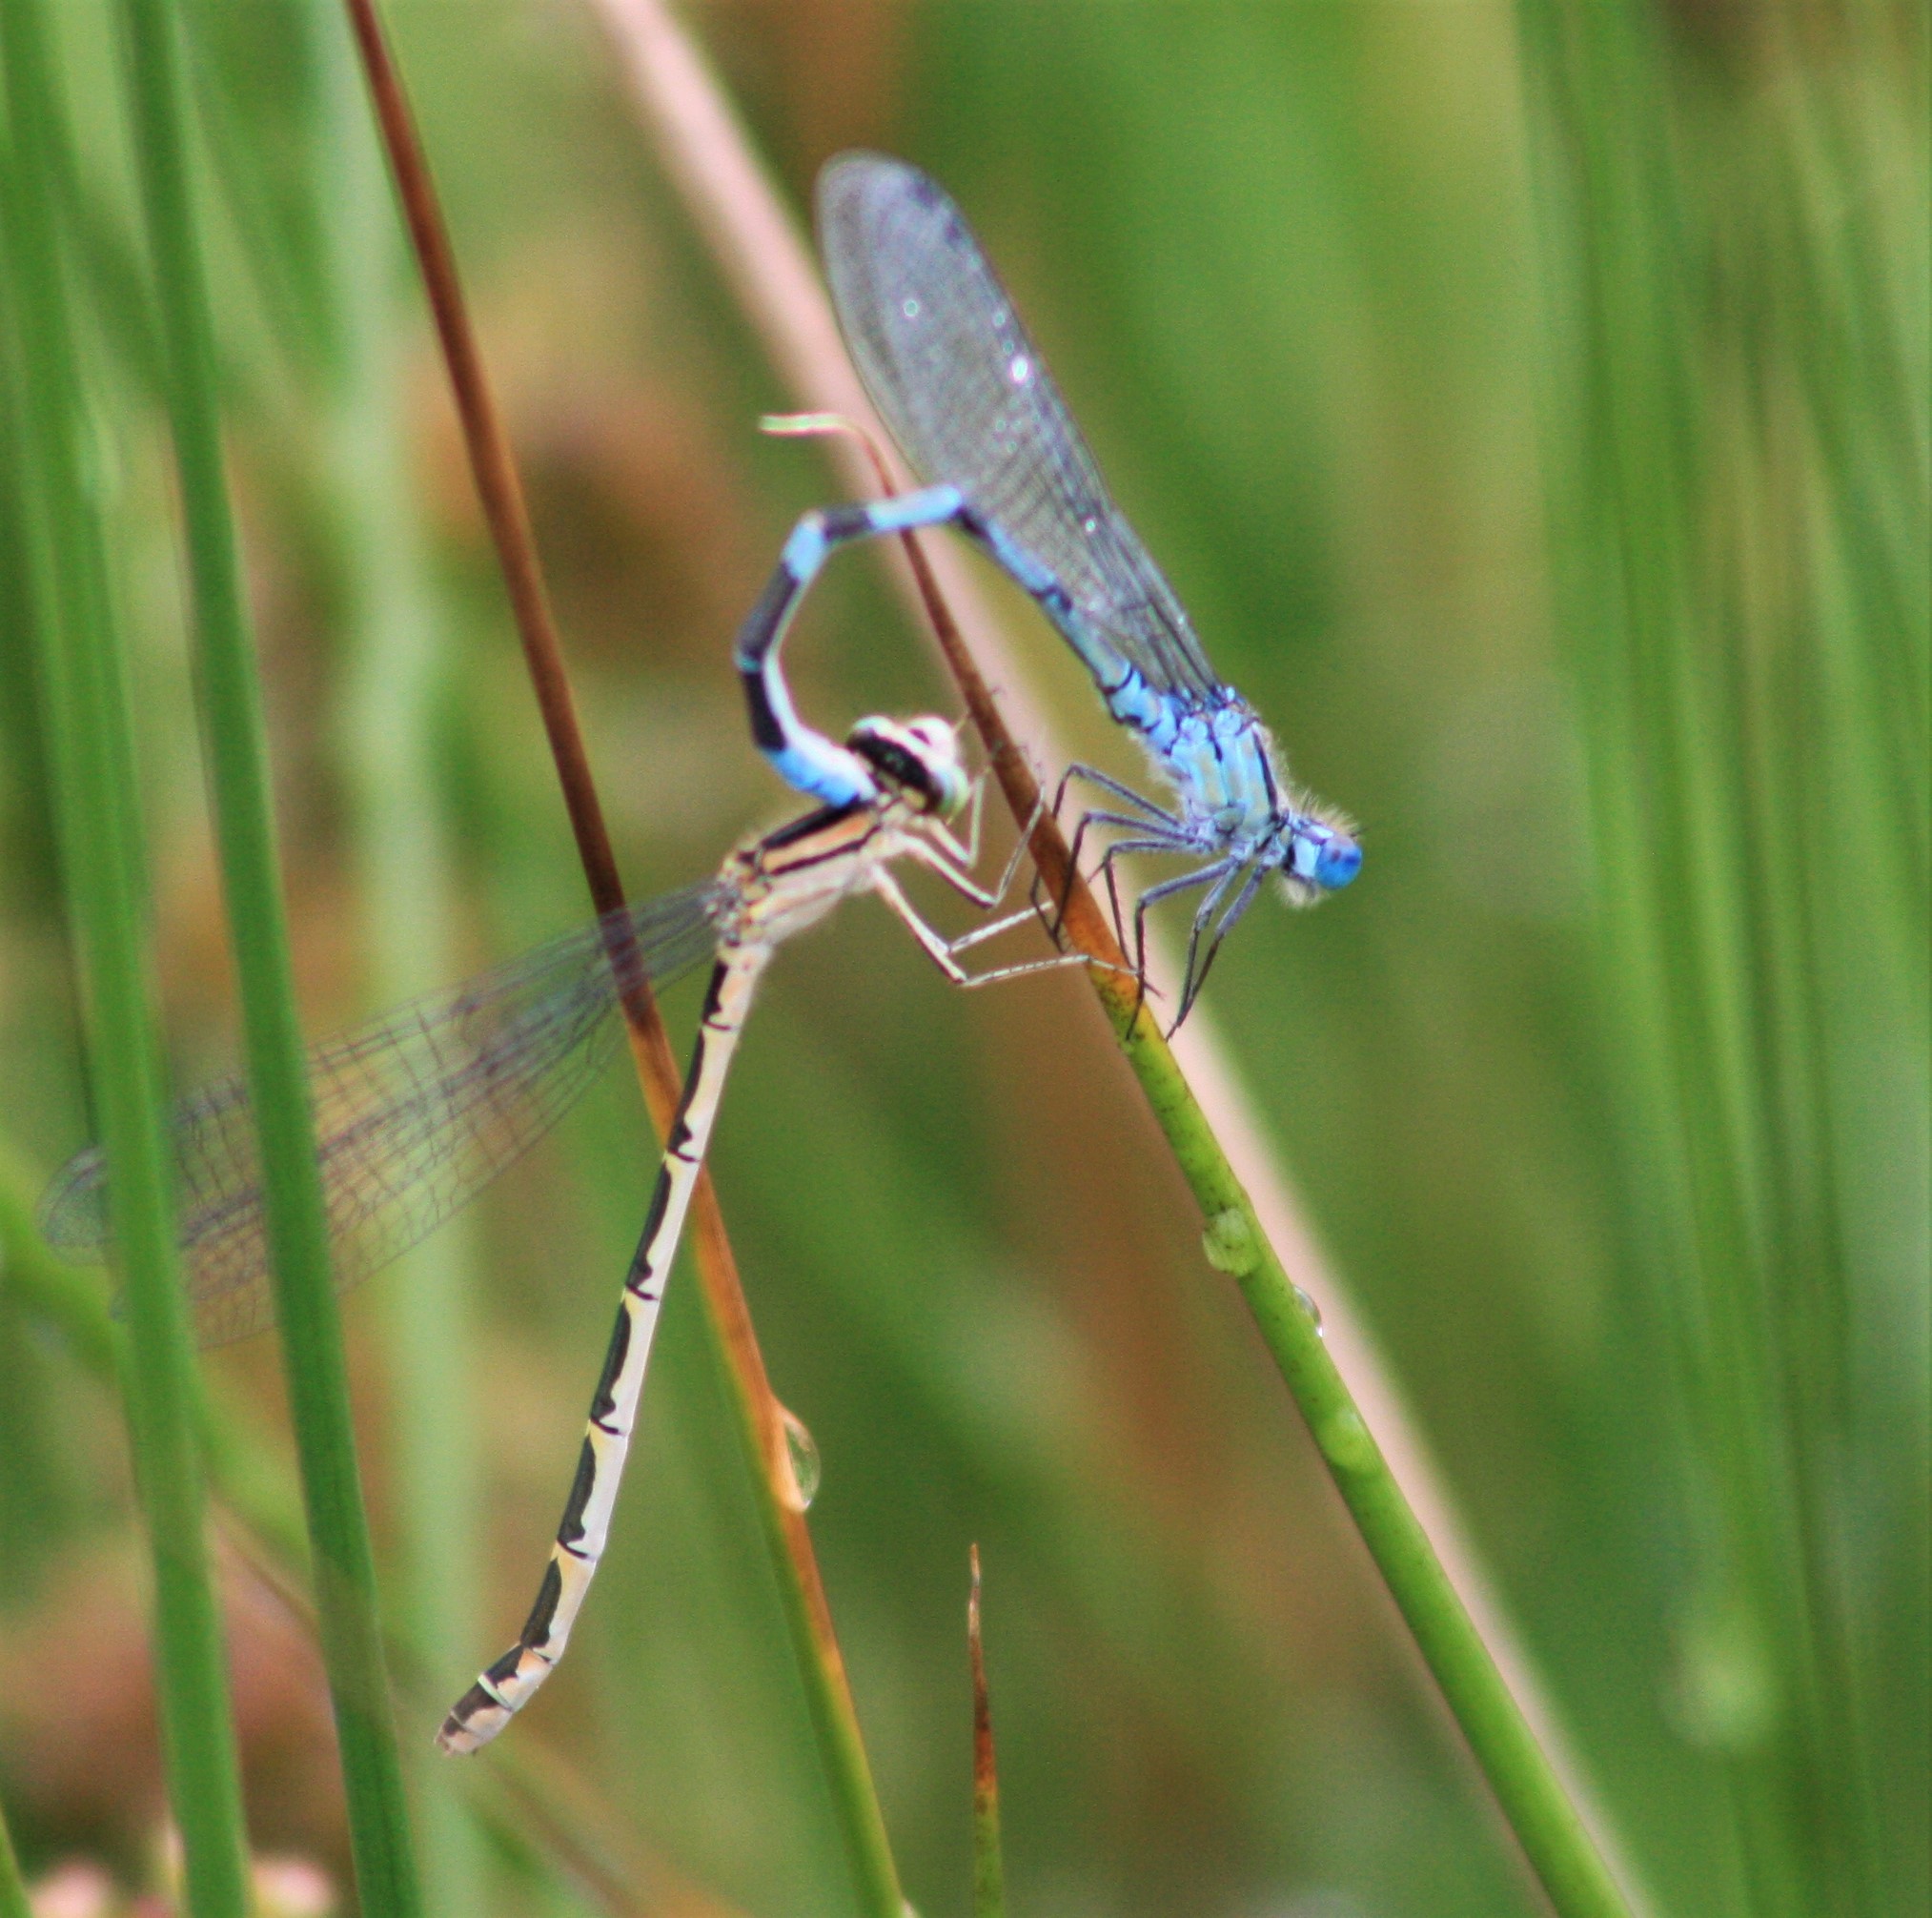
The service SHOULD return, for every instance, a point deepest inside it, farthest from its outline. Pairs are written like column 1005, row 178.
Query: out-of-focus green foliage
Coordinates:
column 89, row 733
column 1533, row 412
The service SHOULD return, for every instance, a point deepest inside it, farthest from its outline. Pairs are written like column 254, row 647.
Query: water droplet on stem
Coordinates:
column 801, row 1460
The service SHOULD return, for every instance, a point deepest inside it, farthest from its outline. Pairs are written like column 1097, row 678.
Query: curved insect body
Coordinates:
column 417, row 1110
column 971, row 401
column 773, row 889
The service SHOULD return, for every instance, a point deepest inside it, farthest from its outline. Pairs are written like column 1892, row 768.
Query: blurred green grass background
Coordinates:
column 1531, row 406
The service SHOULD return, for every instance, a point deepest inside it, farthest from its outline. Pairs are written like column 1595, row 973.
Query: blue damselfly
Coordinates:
column 967, row 397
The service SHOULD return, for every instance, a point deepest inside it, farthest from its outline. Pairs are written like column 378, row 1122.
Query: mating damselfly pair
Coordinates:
column 417, row 1110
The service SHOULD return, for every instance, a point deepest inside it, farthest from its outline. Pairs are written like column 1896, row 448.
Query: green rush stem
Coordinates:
column 12, row 1887
column 314, row 1361
column 1527, row 1790
column 1698, row 617
column 1532, row 1801
column 90, row 730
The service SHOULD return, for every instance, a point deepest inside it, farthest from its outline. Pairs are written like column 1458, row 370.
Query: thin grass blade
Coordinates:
column 297, row 1221
column 88, row 726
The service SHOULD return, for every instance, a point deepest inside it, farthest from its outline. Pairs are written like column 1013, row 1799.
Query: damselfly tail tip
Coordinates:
column 474, row 1721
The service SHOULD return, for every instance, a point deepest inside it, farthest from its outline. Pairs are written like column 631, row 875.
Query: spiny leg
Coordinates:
column 1106, row 781
column 1196, row 970
column 1109, row 868
column 941, row 949
column 947, row 859
column 1092, row 774
column 1242, row 900
column 1164, row 834
column 960, row 881
column 959, row 874
column 1155, row 817
column 1213, row 875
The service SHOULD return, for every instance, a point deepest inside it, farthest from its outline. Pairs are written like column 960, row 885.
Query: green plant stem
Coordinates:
column 1527, row 1790
column 298, row 1230
column 1736, row 471
column 12, row 1887
column 90, row 734
column 1530, row 1794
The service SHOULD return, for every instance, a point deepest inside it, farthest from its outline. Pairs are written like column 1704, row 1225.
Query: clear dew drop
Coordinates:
column 909, row 308
column 1090, row 525
column 1309, row 1307
column 1021, row 368
column 801, row 1455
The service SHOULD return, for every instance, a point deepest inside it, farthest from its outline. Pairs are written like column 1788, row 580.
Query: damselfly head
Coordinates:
column 919, row 758
column 1321, row 855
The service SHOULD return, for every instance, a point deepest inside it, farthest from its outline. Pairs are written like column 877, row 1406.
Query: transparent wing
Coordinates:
column 964, row 389
column 414, row 1113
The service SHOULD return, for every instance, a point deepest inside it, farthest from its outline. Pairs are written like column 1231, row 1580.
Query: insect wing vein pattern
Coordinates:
column 971, row 401
column 416, row 1110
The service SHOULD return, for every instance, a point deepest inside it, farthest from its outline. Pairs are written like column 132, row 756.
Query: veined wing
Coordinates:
column 415, row 1112
column 971, row 403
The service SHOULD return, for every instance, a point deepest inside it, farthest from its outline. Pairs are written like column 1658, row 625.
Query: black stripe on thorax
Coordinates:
column 1268, row 777
column 836, row 833
column 793, row 830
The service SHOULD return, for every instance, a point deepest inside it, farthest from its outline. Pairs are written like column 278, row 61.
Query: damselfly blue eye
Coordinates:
column 1339, row 863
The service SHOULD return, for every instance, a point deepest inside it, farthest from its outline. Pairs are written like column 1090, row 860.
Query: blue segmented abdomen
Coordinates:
column 1154, row 716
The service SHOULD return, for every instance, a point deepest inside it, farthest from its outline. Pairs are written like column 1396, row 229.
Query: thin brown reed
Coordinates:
column 762, row 1426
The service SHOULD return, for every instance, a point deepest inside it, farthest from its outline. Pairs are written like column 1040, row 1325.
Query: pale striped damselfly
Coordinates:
column 418, row 1108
